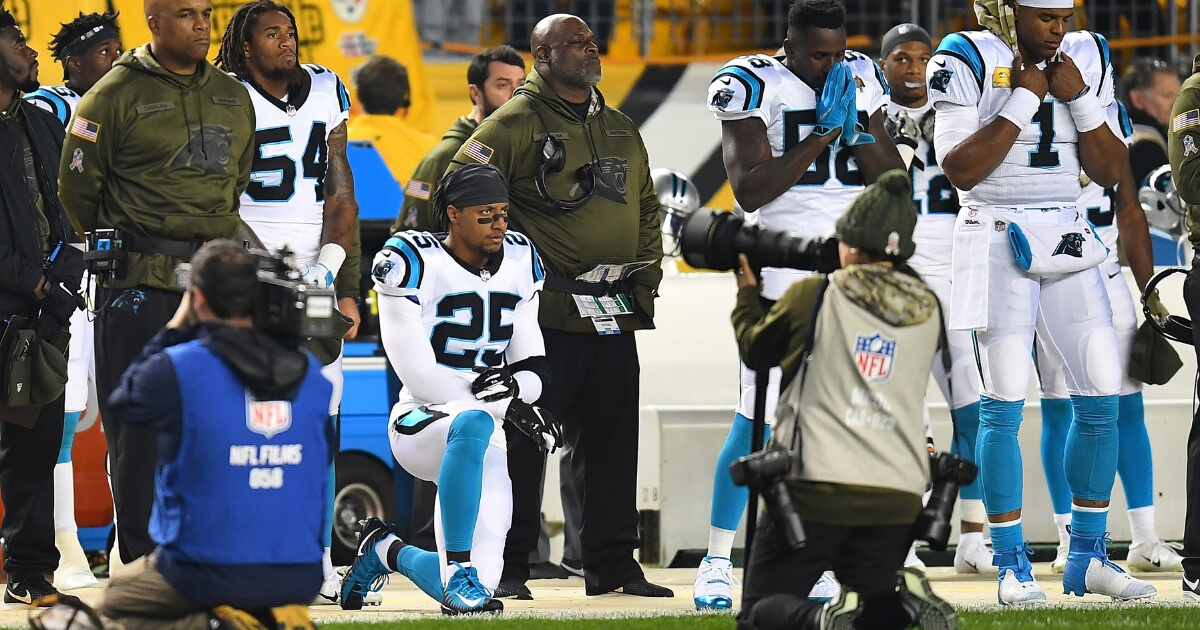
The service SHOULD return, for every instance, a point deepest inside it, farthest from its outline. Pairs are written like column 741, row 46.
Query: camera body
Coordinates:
column 284, row 305
column 948, row 473
column 710, row 239
column 766, row 471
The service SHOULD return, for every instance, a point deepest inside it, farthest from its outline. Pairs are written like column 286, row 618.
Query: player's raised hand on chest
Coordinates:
column 1064, row 78
column 1029, row 77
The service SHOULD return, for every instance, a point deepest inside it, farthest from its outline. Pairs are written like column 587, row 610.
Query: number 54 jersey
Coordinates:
column 974, row 69
column 761, row 86
column 285, row 201
column 471, row 317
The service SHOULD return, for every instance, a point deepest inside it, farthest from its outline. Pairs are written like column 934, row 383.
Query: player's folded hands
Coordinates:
column 494, row 383
column 835, row 97
column 537, row 423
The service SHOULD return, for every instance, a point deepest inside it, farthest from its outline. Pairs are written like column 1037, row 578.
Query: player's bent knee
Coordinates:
column 1102, row 364
column 472, row 425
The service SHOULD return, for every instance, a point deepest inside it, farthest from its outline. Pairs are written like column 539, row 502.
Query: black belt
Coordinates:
column 162, row 246
column 579, row 287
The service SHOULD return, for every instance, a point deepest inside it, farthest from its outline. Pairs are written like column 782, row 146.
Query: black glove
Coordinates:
column 61, row 300
column 494, row 383
column 828, row 260
column 537, row 423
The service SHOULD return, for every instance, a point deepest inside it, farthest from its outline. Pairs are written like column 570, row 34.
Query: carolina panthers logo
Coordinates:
column 611, row 174
column 207, row 149
column 722, row 98
column 1071, row 245
column 130, row 299
column 941, row 80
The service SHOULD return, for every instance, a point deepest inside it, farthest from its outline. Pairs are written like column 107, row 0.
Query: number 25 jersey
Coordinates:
column 760, row 86
column 285, row 201
column 974, row 69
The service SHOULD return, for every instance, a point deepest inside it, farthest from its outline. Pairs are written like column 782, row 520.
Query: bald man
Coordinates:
column 160, row 149
column 591, row 203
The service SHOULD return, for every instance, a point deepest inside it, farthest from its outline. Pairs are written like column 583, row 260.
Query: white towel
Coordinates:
column 969, row 279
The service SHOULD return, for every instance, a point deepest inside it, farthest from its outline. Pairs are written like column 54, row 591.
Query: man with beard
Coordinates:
column 159, row 149
column 580, row 188
column 492, row 77
column 301, row 192
column 36, row 228
column 86, row 47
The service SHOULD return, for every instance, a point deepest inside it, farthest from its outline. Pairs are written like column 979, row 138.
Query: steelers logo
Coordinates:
column 349, row 11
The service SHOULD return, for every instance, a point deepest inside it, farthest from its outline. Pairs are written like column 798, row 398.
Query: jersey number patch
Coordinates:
column 825, row 163
column 478, row 312
column 1044, row 156
column 314, row 163
column 1102, row 215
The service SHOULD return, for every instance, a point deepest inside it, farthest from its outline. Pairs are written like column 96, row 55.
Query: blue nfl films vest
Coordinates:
column 248, row 484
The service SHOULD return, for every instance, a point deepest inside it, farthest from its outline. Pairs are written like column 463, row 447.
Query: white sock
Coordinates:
column 970, row 538
column 64, row 498
column 382, row 547
column 326, row 563
column 720, row 542
column 1141, row 524
column 1061, row 521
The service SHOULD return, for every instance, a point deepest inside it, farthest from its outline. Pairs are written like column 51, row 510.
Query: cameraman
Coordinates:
column 243, row 443
column 859, row 462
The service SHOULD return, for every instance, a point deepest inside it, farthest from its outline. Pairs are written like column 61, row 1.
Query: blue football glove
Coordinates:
column 853, row 131
column 831, row 102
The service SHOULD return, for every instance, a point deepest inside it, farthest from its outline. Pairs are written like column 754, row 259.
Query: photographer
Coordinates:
column 243, row 434
column 853, row 427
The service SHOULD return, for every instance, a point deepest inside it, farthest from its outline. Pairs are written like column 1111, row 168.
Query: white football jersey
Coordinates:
column 468, row 313
column 933, row 193
column 1097, row 200
column 58, row 100
column 974, row 68
column 762, row 87
column 285, row 201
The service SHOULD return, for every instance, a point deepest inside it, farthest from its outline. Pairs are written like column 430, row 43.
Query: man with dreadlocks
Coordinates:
column 301, row 191
column 159, row 148
column 86, row 47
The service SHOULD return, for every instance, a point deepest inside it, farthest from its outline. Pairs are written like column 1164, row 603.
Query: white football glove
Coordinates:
column 317, row 274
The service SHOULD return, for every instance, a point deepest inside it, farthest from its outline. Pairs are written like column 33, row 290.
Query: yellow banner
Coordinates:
column 41, row 19
column 338, row 34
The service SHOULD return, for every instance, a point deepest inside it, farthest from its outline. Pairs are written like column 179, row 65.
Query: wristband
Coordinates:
column 1087, row 113
column 1022, row 105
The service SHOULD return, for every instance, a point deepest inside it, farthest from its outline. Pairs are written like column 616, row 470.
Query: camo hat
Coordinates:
column 882, row 217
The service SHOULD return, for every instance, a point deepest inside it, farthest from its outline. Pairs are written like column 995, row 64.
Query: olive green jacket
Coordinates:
column 1183, row 147
column 417, row 212
column 156, row 154
column 619, row 225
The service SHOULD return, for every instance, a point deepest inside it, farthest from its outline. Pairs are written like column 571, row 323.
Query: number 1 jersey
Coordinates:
column 760, row 86
column 285, row 201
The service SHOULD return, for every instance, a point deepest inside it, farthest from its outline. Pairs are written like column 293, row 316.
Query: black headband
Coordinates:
column 475, row 185
column 80, row 44
column 901, row 34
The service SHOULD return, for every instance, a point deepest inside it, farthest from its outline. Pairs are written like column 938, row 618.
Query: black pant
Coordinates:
column 127, row 319
column 593, row 392
column 865, row 560
column 1191, row 522
column 27, row 459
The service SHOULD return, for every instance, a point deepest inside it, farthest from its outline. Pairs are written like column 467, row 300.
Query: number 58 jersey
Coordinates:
column 761, row 86
column 469, row 315
column 285, row 201
column 974, row 69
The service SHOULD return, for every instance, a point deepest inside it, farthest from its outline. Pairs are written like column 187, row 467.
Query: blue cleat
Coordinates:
column 1089, row 570
column 465, row 594
column 368, row 574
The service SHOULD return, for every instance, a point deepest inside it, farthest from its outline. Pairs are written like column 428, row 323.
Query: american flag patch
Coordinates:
column 1186, row 120
column 481, row 152
column 85, row 128
column 417, row 188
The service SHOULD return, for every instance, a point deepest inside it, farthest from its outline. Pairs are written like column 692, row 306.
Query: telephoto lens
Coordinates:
column 948, row 473
column 711, row 239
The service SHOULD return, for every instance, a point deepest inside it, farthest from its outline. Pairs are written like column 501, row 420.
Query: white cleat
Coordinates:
column 826, row 588
column 1155, row 557
column 1060, row 558
column 1105, row 578
column 331, row 589
column 974, row 557
column 1015, row 591
column 912, row 561
column 713, row 589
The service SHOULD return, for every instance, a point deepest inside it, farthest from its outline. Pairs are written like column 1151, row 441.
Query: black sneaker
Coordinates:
column 547, row 571
column 513, row 589
column 27, row 589
column 574, row 567
column 841, row 612
column 1191, row 590
column 929, row 612
column 639, row 587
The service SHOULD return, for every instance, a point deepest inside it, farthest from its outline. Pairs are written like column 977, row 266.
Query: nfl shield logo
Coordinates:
column 268, row 417
column 874, row 356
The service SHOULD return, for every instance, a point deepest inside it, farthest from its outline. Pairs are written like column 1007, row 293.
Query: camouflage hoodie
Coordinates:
column 158, row 154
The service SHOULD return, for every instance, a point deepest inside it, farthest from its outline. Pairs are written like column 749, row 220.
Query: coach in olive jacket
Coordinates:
column 594, row 391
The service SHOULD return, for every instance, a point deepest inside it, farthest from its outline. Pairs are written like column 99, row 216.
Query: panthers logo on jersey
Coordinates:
column 1070, row 245
column 940, row 79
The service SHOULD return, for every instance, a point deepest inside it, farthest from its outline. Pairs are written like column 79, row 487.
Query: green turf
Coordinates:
column 1099, row 617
